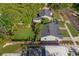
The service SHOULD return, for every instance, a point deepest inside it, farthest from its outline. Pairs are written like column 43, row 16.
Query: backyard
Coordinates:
column 23, row 34
column 10, row 49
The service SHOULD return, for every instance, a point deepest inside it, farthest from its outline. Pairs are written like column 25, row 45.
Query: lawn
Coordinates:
column 55, row 15
column 78, row 18
column 45, row 20
column 72, row 29
column 64, row 33
column 10, row 49
column 61, row 24
column 23, row 34
column 12, row 14
column 2, row 42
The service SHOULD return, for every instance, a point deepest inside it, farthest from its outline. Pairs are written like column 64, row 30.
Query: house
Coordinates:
column 49, row 42
column 50, row 32
column 44, row 13
column 50, row 35
column 49, row 38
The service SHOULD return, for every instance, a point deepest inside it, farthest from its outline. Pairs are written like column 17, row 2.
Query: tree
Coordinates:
column 59, row 6
column 75, row 6
column 37, row 27
column 54, row 6
column 12, row 14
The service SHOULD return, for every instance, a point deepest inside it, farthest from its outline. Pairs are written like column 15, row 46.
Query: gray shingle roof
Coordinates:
column 50, row 29
column 44, row 12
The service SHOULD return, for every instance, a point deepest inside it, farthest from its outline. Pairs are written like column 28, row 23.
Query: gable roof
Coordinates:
column 44, row 12
column 50, row 29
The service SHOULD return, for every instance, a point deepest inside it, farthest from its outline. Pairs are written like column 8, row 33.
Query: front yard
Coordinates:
column 23, row 34
column 64, row 33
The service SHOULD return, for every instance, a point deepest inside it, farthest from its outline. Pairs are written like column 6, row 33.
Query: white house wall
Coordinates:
column 37, row 20
column 49, row 38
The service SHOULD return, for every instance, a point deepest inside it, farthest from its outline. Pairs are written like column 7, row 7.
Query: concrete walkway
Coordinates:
column 7, row 44
column 14, row 43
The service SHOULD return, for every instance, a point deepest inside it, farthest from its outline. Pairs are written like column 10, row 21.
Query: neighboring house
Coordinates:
column 37, row 51
column 44, row 13
column 50, row 32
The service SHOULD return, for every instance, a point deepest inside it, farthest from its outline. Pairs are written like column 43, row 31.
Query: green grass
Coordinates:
column 10, row 49
column 45, row 20
column 2, row 42
column 78, row 18
column 23, row 34
column 55, row 15
column 64, row 33
column 61, row 24
column 72, row 29
column 12, row 14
